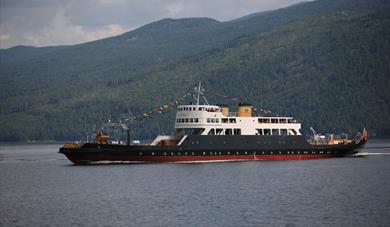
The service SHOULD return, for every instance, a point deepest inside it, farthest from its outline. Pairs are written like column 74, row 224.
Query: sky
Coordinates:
column 65, row 22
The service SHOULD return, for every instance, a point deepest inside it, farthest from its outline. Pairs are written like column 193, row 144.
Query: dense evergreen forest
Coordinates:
column 326, row 63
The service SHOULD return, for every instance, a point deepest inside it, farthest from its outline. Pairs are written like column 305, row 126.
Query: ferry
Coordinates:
column 211, row 133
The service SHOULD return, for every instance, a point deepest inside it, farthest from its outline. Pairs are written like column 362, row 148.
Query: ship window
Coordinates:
column 283, row 132
column 191, row 120
column 219, row 131
column 260, row 131
column 224, row 120
column 211, row 132
column 267, row 131
column 274, row 120
column 283, row 120
column 232, row 120
column 217, row 120
column 194, row 108
column 263, row 120
column 237, row 131
column 186, row 120
column 201, row 108
column 275, row 131
column 292, row 132
column 208, row 120
column 212, row 120
column 196, row 120
column 228, row 131
column 193, row 131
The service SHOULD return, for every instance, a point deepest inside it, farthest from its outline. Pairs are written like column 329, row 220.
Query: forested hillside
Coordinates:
column 326, row 63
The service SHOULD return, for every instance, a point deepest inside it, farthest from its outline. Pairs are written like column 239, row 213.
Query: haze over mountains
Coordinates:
column 326, row 63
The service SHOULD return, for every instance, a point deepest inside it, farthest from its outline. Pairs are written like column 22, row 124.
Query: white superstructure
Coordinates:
column 216, row 120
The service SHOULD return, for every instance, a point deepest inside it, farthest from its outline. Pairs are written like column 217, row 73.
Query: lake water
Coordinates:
column 39, row 187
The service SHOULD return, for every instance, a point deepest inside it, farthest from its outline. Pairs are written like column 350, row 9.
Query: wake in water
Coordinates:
column 370, row 154
column 375, row 151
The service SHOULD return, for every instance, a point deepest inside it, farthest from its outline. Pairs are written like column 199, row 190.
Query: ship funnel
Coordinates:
column 224, row 109
column 244, row 110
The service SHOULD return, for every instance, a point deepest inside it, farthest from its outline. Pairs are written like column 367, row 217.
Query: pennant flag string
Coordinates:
column 165, row 107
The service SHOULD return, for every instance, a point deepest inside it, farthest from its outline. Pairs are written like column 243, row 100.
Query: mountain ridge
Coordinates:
column 66, row 93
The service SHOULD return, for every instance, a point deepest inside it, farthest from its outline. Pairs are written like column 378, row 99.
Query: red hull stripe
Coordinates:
column 183, row 158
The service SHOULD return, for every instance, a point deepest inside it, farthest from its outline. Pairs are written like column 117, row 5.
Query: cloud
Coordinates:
column 174, row 8
column 4, row 37
column 62, row 31
column 72, row 34
column 61, row 22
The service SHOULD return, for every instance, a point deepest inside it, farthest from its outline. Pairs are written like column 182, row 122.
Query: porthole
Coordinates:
column 165, row 153
column 262, row 152
column 228, row 152
column 185, row 153
column 204, row 153
column 271, row 152
column 237, row 152
column 246, row 152
column 211, row 153
column 193, row 153
column 171, row 153
column 140, row 153
column 152, row 153
column 219, row 153
column 178, row 153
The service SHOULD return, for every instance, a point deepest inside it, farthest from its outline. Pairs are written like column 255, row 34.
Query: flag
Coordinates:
column 365, row 134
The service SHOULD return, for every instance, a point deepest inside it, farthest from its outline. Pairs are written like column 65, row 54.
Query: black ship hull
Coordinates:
column 212, row 148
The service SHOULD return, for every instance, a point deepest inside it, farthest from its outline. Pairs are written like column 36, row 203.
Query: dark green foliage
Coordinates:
column 326, row 62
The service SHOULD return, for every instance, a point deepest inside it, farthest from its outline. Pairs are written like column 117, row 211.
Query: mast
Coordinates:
column 197, row 100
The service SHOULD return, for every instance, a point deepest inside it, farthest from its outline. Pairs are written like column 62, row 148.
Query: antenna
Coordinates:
column 197, row 100
column 200, row 93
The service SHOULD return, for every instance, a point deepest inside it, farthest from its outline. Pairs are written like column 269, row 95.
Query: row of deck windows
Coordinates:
column 233, row 120
column 282, row 132
column 187, row 120
column 199, row 109
column 227, row 131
